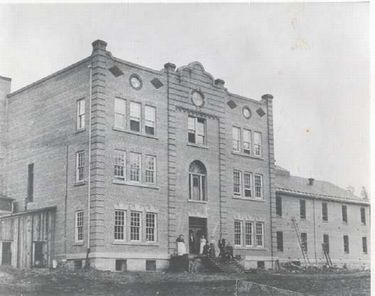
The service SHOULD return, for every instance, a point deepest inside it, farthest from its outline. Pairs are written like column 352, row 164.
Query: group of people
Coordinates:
column 205, row 248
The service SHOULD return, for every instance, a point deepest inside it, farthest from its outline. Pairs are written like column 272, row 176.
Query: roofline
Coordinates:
column 244, row 98
column 159, row 72
column 29, row 212
column 5, row 78
column 48, row 77
column 321, row 196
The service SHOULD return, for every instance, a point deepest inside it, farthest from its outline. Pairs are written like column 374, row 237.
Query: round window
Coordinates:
column 197, row 98
column 246, row 112
column 135, row 81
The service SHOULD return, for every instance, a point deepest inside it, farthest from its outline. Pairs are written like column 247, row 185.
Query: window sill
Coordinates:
column 80, row 183
column 248, row 199
column 151, row 244
column 135, row 133
column 250, row 248
column 247, row 155
column 198, row 201
column 121, row 182
column 80, row 131
column 197, row 145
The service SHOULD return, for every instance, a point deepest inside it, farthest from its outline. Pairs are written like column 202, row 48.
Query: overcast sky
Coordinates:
column 314, row 59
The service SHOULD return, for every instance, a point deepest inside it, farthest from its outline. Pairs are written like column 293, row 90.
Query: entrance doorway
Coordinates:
column 197, row 228
column 39, row 254
column 6, row 258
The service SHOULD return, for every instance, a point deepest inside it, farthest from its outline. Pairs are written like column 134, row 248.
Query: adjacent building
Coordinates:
column 107, row 162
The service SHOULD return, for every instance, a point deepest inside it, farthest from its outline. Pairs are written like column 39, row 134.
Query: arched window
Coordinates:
column 197, row 181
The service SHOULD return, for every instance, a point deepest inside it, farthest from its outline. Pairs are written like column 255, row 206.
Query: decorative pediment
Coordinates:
column 197, row 71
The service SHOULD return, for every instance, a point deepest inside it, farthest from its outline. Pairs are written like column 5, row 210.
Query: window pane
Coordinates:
column 304, row 241
column 80, row 165
column 324, row 211
column 135, row 116
column 364, row 245
column 246, row 141
column 344, row 214
column 135, row 225
column 150, row 113
column 259, row 233
column 237, row 233
column 363, row 216
column 247, row 184
column 119, row 231
column 135, row 165
column 302, row 209
column 79, row 226
column 257, row 143
column 258, row 184
column 280, row 241
column 249, row 233
column 279, row 209
column 237, row 182
column 81, row 114
column 236, row 134
column 150, row 227
column 119, row 166
column 120, row 113
column 150, row 169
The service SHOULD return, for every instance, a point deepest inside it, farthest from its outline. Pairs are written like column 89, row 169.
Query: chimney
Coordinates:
column 311, row 181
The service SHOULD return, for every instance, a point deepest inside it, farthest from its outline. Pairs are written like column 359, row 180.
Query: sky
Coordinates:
column 312, row 57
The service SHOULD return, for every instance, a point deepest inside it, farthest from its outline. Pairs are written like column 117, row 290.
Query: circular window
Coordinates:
column 197, row 98
column 246, row 112
column 135, row 81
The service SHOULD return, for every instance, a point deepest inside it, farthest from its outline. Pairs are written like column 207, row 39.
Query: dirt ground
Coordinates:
column 66, row 282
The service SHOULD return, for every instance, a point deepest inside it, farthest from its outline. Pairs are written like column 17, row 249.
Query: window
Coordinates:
column 120, row 113
column 150, row 169
column 257, row 143
column 249, row 234
column 30, row 182
column 324, row 211
column 135, row 166
column 280, row 241
column 346, row 244
column 364, row 244
column 302, row 209
column 236, row 182
column 279, row 206
column 246, row 141
column 236, row 134
column 304, row 241
column 80, row 165
column 121, row 265
column 150, row 227
column 237, row 233
column 258, row 184
column 151, row 265
column 196, row 130
column 119, row 167
column 135, row 226
column 150, row 117
column 197, row 181
column 80, row 114
column 344, row 214
column 119, row 231
column 259, row 229
column 247, row 180
column 363, row 216
column 135, row 116
column 326, row 242
column 79, row 226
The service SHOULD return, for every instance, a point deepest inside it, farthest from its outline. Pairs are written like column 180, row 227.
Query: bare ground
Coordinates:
column 66, row 282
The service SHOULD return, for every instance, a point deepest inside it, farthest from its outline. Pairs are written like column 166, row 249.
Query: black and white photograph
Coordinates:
column 175, row 149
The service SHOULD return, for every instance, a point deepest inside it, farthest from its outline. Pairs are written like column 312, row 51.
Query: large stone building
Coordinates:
column 107, row 162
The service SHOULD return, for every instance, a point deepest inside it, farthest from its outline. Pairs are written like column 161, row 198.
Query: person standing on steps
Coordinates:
column 202, row 244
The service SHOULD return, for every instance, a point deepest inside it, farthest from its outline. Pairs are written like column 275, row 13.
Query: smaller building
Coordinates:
column 311, row 217
column 26, row 238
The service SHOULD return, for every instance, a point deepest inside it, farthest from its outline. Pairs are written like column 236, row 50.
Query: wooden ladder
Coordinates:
column 298, row 233
column 326, row 254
